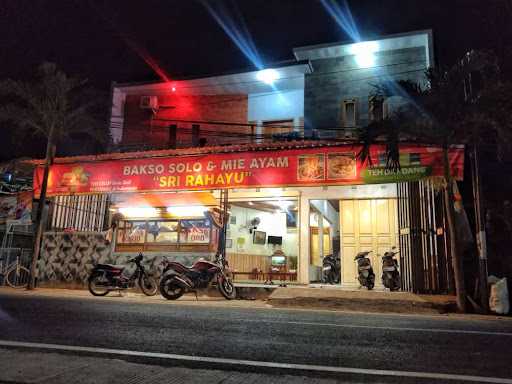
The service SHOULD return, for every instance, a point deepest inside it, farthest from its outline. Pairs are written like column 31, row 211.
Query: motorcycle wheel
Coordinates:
column 93, row 286
column 371, row 282
column 226, row 288
column 396, row 283
column 169, row 289
column 148, row 285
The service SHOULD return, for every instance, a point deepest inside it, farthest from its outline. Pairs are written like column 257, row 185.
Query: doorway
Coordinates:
column 324, row 237
column 366, row 225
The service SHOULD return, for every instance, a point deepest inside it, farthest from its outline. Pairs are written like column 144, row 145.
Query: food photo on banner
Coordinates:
column 335, row 165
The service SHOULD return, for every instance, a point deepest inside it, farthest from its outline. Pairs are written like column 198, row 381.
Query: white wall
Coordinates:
column 328, row 211
column 274, row 224
column 276, row 106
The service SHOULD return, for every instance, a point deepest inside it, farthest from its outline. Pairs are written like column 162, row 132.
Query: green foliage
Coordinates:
column 54, row 106
column 447, row 111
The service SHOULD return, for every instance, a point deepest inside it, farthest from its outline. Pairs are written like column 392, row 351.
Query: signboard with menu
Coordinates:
column 333, row 165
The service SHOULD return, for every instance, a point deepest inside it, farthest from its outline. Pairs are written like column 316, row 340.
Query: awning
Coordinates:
column 164, row 199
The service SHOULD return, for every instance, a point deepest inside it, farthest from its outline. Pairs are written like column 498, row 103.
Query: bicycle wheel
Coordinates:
column 18, row 277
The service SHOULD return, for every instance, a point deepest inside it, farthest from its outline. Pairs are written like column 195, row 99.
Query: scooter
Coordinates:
column 390, row 274
column 331, row 269
column 366, row 276
column 107, row 277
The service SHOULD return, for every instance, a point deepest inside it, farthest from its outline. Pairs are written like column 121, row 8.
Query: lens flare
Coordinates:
column 343, row 17
column 237, row 32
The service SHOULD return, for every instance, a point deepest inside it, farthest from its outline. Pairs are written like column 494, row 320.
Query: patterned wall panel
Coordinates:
column 68, row 257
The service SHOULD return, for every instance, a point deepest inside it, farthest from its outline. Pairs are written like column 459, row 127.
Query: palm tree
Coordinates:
column 55, row 107
column 444, row 113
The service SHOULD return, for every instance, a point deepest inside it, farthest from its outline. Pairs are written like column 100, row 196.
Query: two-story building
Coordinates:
column 281, row 141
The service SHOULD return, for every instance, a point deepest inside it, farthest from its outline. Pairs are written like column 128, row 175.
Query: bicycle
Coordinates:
column 14, row 274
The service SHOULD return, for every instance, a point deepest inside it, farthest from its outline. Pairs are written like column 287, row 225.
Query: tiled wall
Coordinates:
column 67, row 258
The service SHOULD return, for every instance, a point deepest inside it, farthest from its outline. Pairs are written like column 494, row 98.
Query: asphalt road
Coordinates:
column 429, row 344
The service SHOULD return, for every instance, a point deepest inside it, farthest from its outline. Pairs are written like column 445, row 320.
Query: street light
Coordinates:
column 364, row 53
column 267, row 76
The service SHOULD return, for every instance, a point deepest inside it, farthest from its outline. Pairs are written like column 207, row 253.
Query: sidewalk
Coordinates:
column 326, row 297
column 24, row 367
column 318, row 298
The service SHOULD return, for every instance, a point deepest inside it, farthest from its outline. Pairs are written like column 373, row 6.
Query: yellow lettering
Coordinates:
column 220, row 179
column 163, row 182
column 189, row 181
column 199, row 180
column 209, row 179
column 229, row 176
column 239, row 177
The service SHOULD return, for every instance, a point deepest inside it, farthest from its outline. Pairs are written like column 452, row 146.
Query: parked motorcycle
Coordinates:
column 331, row 269
column 390, row 274
column 366, row 276
column 107, row 277
column 178, row 279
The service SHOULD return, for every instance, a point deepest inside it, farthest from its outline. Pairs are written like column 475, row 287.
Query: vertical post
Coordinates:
column 481, row 239
column 40, row 218
column 195, row 135
column 172, row 136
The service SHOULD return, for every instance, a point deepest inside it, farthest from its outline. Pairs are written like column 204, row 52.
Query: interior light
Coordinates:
column 365, row 53
column 187, row 210
column 138, row 211
column 283, row 204
column 267, row 76
column 173, row 89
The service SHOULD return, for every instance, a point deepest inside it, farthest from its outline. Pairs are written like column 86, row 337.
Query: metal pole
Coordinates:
column 481, row 239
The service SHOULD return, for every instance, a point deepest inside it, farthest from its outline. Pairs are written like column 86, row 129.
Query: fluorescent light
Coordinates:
column 138, row 211
column 283, row 204
column 365, row 53
column 187, row 210
column 267, row 76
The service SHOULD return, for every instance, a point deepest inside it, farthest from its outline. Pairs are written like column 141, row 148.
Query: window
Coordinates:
column 131, row 232
column 195, row 231
column 162, row 232
column 277, row 127
column 181, row 231
column 349, row 113
column 375, row 108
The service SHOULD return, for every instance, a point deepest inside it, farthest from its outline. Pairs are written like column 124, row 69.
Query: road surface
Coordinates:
column 313, row 342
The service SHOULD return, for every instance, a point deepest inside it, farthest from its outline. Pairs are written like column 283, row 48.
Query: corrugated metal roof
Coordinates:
column 195, row 151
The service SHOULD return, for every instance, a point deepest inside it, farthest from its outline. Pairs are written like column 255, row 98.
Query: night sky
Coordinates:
column 104, row 40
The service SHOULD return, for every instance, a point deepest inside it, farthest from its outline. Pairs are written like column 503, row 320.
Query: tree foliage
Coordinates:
column 468, row 103
column 54, row 106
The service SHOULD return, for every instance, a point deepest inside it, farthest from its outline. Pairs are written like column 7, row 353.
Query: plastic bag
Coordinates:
column 498, row 299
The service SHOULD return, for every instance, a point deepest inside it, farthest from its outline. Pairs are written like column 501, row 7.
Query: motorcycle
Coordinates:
column 331, row 269
column 390, row 274
column 107, row 277
column 366, row 276
column 178, row 279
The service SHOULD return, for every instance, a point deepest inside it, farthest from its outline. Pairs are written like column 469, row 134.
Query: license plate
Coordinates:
column 327, row 268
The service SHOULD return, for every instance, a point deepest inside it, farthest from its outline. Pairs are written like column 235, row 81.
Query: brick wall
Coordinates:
column 141, row 126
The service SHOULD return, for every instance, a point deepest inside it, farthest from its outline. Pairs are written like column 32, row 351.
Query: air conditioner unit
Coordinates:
column 149, row 102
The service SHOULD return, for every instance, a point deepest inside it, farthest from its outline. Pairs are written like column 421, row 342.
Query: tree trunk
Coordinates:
column 50, row 152
column 457, row 264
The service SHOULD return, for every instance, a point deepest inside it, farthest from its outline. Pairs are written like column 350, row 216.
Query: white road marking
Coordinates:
column 251, row 363
column 380, row 327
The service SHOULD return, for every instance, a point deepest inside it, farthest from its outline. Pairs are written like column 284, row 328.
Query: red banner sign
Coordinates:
column 296, row 167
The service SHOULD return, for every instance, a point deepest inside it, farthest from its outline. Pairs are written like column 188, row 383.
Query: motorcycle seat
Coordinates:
column 110, row 267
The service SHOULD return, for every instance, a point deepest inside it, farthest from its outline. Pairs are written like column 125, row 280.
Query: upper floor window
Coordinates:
column 375, row 108
column 349, row 113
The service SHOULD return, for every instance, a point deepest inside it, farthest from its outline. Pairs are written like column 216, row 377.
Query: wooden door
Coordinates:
column 369, row 224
